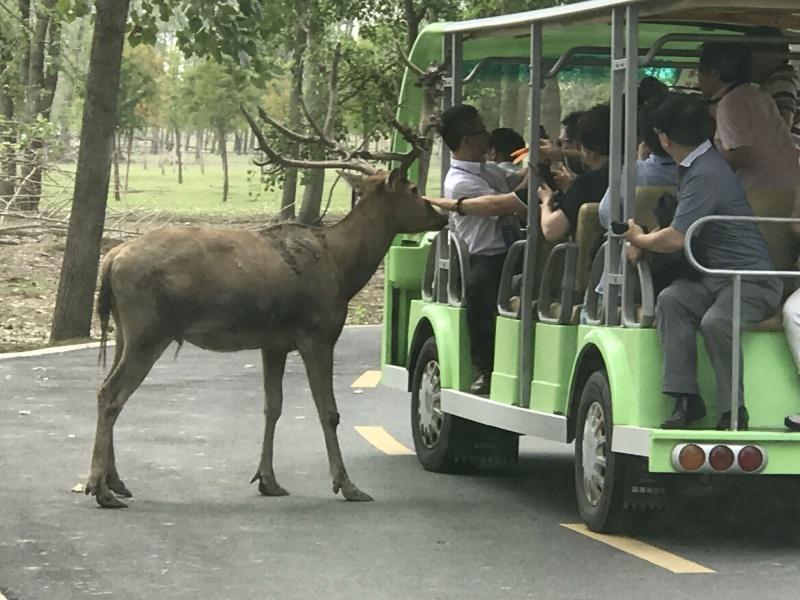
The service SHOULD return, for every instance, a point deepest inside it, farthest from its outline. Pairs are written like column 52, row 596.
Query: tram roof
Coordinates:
column 783, row 14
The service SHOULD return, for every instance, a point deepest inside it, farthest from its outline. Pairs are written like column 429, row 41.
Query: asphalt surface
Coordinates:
column 188, row 442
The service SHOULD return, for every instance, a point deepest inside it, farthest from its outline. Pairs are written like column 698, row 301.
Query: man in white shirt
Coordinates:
column 486, row 237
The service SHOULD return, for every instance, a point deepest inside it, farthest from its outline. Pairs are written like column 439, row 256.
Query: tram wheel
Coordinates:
column 599, row 472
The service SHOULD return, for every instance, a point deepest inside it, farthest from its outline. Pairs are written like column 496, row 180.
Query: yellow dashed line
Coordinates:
column 378, row 437
column 368, row 379
column 661, row 558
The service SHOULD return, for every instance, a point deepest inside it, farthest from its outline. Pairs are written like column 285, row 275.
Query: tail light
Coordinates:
column 741, row 459
column 750, row 459
column 721, row 458
column 692, row 457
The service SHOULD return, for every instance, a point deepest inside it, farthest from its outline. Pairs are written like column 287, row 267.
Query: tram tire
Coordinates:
column 438, row 457
column 602, row 510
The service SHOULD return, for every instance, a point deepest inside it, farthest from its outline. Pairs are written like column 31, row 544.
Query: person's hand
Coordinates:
column 634, row 231
column 634, row 253
column 643, row 151
column 564, row 178
column 443, row 203
column 549, row 151
column 545, row 194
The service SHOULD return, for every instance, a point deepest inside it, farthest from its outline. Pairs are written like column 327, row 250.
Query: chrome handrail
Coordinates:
column 737, row 275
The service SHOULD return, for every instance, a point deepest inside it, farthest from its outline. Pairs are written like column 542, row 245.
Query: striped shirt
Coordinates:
column 783, row 84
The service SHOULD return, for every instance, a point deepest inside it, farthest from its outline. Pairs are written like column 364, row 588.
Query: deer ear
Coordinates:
column 395, row 179
column 356, row 181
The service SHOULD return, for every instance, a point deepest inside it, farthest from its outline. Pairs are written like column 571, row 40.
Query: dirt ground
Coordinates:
column 29, row 275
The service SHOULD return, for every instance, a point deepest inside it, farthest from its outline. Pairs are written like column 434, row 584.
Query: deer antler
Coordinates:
column 273, row 158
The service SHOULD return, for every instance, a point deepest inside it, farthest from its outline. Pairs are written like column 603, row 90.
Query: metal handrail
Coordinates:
column 700, row 37
column 737, row 275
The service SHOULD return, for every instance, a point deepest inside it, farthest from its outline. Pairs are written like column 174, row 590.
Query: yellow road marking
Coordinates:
column 368, row 379
column 661, row 558
column 378, row 437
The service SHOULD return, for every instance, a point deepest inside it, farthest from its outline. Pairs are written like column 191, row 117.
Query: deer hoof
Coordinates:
column 268, row 487
column 351, row 493
column 104, row 496
column 119, row 489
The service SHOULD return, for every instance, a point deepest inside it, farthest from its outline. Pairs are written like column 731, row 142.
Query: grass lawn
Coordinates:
column 201, row 193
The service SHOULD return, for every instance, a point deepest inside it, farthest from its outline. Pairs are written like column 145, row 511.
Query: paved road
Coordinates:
column 188, row 443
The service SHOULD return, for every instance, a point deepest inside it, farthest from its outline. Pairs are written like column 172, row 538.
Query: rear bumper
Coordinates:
column 657, row 445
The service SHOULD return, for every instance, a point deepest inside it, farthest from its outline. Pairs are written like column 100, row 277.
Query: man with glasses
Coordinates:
column 485, row 234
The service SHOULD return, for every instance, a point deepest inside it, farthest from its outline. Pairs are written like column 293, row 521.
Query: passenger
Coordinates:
column 707, row 186
column 559, row 210
column 654, row 166
column 791, row 325
column 751, row 135
column 503, row 142
column 566, row 149
column 463, row 131
column 780, row 80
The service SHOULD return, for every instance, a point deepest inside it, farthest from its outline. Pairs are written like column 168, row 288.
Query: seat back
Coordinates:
column 588, row 237
column 645, row 202
column 781, row 241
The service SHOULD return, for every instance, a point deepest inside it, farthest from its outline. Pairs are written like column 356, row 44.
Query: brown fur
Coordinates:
column 286, row 288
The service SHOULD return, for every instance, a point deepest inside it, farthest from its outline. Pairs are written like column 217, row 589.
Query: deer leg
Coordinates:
column 113, row 480
column 319, row 367
column 273, row 364
column 136, row 362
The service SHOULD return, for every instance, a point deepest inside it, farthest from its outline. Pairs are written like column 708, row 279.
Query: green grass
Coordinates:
column 201, row 193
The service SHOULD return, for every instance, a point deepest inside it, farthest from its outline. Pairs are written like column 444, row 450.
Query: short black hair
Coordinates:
column 505, row 141
column 570, row 123
column 732, row 61
column 456, row 123
column 592, row 129
column 684, row 118
column 650, row 87
column 646, row 132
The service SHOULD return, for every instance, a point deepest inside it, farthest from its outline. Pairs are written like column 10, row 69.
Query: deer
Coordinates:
column 283, row 288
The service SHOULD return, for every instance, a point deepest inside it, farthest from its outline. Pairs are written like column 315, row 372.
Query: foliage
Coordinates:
column 140, row 72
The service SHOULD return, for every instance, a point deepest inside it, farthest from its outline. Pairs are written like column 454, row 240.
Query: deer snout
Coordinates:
column 438, row 216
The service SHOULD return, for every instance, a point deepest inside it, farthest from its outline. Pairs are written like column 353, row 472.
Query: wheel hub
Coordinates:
column 430, row 414
column 594, row 453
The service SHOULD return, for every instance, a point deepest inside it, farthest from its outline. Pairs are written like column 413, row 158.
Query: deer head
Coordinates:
column 400, row 202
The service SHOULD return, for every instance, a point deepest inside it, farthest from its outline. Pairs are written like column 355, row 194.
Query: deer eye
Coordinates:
column 414, row 189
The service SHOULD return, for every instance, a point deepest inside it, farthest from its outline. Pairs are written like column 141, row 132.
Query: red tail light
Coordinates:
column 721, row 458
column 750, row 459
column 692, row 457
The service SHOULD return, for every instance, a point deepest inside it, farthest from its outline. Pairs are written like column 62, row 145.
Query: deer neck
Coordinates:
column 359, row 242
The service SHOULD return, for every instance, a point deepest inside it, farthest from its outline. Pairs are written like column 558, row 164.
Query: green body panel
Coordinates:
column 505, row 376
column 404, row 270
column 633, row 360
column 553, row 359
column 450, row 328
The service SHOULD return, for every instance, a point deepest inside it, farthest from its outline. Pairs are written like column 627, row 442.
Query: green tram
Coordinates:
column 597, row 383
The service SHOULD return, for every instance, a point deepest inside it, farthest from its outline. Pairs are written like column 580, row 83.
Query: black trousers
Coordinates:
column 482, row 287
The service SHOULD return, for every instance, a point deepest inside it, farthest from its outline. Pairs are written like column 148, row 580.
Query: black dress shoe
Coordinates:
column 792, row 422
column 687, row 409
column 725, row 420
column 482, row 384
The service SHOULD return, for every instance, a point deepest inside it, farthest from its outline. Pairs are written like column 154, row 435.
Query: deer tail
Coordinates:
column 104, row 300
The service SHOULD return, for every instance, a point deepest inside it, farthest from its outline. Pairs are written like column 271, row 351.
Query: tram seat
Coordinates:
column 446, row 270
column 781, row 242
column 566, row 272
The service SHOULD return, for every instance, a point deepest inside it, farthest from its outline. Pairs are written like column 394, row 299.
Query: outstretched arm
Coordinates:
column 484, row 206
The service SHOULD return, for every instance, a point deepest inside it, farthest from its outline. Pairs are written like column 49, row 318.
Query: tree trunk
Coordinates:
column 214, row 143
column 74, row 302
column 116, row 167
column 8, row 139
column 128, row 150
column 245, row 141
column 198, row 147
column 155, row 147
column 223, row 152
column 289, row 194
column 178, row 155
column 412, row 24
column 237, row 142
